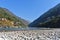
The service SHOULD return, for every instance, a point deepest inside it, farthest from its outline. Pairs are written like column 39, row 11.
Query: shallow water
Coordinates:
column 29, row 28
column 19, row 28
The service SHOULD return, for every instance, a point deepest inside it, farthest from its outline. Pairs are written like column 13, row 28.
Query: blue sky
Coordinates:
column 28, row 9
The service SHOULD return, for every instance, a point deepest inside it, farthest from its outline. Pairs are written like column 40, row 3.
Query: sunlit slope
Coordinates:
column 7, row 18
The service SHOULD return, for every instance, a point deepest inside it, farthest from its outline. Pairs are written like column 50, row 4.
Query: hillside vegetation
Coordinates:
column 50, row 19
column 8, row 19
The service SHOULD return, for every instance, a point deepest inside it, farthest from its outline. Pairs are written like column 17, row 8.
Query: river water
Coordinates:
column 17, row 29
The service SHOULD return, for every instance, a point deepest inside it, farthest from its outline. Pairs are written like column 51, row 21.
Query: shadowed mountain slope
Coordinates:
column 50, row 19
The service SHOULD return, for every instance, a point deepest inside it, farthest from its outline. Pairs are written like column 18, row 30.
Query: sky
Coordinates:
column 28, row 9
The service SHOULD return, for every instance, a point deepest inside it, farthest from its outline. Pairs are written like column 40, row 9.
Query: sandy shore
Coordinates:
column 53, row 34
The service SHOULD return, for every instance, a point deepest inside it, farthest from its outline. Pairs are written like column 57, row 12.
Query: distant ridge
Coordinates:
column 50, row 19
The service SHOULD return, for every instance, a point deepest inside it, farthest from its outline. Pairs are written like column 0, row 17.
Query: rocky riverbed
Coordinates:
column 53, row 34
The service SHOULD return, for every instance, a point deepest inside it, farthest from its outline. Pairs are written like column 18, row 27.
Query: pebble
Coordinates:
column 31, row 35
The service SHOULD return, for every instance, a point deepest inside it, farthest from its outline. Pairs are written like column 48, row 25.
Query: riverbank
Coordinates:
column 53, row 34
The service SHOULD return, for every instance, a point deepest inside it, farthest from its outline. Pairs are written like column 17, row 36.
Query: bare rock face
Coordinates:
column 50, row 19
column 53, row 34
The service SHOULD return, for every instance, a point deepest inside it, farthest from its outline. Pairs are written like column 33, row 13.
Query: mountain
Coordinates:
column 8, row 19
column 50, row 19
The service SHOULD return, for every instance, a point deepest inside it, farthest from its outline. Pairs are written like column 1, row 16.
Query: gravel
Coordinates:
column 53, row 34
